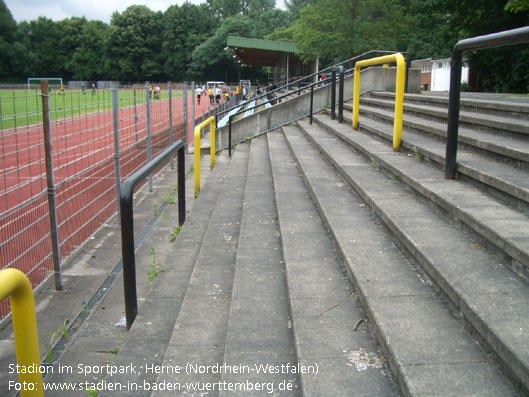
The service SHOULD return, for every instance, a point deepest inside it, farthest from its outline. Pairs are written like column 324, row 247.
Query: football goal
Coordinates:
column 34, row 82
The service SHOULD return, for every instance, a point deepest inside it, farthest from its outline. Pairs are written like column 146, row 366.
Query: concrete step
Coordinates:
column 507, row 228
column 508, row 148
column 323, row 306
column 503, row 105
column 199, row 332
column 149, row 336
column 485, row 293
column 505, row 181
column 495, row 123
column 259, row 334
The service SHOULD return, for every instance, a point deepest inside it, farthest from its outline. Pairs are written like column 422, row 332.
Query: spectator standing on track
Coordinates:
column 217, row 93
column 198, row 92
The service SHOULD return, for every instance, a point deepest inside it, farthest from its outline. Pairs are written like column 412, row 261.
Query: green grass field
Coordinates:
column 19, row 108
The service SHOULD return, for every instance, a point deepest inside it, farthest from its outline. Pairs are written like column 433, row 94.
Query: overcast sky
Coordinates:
column 92, row 9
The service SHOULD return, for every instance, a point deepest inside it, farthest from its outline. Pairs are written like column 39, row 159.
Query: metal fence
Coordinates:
column 96, row 139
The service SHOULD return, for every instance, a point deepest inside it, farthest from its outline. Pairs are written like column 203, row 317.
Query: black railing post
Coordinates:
column 127, row 225
column 408, row 66
column 453, row 114
column 229, row 136
column 181, row 186
column 127, row 254
column 311, row 101
column 340, row 94
column 333, row 95
column 500, row 39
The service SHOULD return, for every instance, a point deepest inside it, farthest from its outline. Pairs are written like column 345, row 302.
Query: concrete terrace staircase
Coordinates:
column 350, row 269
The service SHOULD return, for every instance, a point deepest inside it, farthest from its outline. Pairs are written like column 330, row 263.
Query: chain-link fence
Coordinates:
column 96, row 138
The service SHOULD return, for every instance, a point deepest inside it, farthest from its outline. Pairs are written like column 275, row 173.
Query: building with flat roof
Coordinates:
column 282, row 58
column 435, row 73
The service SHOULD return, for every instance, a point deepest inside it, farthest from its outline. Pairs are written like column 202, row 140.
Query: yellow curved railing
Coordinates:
column 399, row 92
column 15, row 285
column 198, row 129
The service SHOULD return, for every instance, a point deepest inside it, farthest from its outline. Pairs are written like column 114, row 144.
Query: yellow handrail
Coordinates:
column 198, row 129
column 15, row 284
column 399, row 93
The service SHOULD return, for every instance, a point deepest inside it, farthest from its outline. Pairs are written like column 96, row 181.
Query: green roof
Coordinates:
column 259, row 44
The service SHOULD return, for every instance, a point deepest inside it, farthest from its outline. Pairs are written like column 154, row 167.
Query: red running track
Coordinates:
column 83, row 159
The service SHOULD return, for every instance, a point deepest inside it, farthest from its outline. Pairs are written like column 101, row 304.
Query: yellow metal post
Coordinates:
column 15, row 284
column 198, row 129
column 197, row 161
column 399, row 93
column 212, row 142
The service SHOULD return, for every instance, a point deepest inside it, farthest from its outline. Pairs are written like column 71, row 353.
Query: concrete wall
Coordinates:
column 297, row 107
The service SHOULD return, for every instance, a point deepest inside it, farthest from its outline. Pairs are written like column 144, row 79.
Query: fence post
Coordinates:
column 193, row 106
column 54, row 232
column 170, row 119
column 135, row 117
column 311, row 102
column 333, row 95
column 186, row 132
column 229, row 135
column 340, row 95
column 115, row 117
column 181, row 186
column 148, row 110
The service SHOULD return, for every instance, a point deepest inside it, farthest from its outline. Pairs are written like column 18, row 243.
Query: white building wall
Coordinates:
column 441, row 75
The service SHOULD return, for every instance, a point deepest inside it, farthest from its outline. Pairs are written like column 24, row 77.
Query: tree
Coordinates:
column 184, row 28
column 295, row 6
column 87, row 60
column 134, row 45
column 71, row 38
column 502, row 69
column 8, row 34
column 269, row 21
column 223, row 9
column 336, row 29
column 210, row 59
column 430, row 35
column 42, row 38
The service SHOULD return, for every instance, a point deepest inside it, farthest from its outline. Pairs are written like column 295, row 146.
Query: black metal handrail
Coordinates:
column 127, row 221
column 330, row 68
column 500, row 39
column 278, row 98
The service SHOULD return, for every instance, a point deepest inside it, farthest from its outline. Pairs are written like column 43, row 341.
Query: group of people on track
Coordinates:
column 214, row 93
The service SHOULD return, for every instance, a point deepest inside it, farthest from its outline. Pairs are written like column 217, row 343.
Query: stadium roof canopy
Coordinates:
column 258, row 52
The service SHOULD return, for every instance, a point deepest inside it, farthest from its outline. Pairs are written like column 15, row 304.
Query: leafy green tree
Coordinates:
column 8, row 34
column 71, row 37
column 336, row 29
column 256, row 8
column 223, row 9
column 42, row 38
column 87, row 60
column 210, row 58
column 517, row 5
column 134, row 45
column 429, row 34
column 269, row 21
column 184, row 28
column 502, row 69
column 295, row 6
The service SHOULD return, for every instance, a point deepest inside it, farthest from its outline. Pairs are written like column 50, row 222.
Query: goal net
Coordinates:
column 34, row 82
